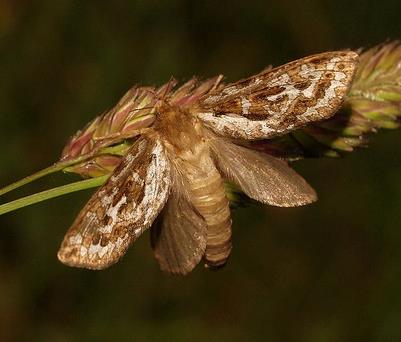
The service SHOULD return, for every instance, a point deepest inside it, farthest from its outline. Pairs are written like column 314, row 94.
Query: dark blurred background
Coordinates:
column 326, row 272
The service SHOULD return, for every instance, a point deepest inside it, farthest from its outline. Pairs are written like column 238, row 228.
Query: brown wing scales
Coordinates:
column 121, row 209
column 277, row 101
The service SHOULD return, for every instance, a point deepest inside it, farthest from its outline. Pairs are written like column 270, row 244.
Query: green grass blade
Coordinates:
column 55, row 192
column 31, row 178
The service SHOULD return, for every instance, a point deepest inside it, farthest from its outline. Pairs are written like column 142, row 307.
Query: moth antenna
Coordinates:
column 152, row 92
column 159, row 99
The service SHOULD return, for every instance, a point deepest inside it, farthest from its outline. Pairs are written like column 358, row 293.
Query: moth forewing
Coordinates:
column 125, row 206
column 282, row 99
column 260, row 176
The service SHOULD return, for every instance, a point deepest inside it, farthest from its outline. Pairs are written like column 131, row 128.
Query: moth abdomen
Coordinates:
column 209, row 198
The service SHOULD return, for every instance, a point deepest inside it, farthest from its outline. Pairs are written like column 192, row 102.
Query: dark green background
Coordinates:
column 326, row 272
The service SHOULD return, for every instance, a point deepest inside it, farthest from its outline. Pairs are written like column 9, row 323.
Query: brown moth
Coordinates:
column 177, row 165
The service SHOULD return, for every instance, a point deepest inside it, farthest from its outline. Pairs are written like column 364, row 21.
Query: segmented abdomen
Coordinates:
column 210, row 200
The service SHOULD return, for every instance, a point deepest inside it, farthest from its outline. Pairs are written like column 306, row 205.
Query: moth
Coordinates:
column 171, row 179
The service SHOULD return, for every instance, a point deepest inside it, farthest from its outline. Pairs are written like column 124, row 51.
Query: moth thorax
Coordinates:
column 178, row 127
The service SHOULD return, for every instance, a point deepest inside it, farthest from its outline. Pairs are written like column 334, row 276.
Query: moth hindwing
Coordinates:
column 179, row 238
column 121, row 209
column 282, row 99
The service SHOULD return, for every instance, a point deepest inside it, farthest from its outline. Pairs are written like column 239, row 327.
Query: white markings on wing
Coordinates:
column 121, row 210
column 246, row 104
column 282, row 99
column 237, row 126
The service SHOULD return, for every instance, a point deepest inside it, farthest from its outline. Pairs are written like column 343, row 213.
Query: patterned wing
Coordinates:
column 179, row 240
column 373, row 103
column 279, row 100
column 121, row 209
column 260, row 176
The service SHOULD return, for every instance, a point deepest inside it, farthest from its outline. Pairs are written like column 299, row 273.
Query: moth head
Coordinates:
column 139, row 109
